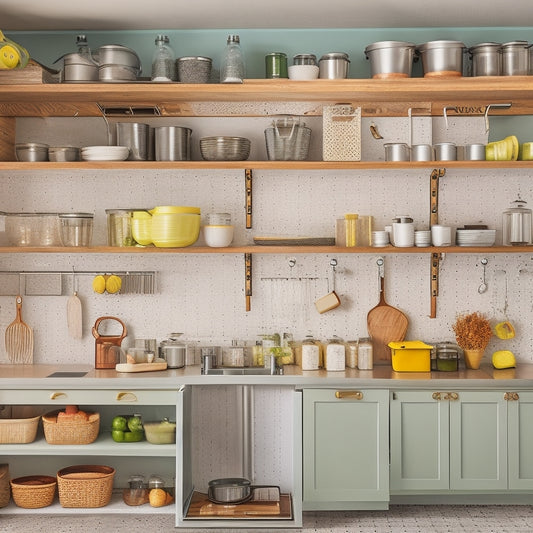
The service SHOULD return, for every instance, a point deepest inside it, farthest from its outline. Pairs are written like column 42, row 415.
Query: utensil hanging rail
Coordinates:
column 55, row 282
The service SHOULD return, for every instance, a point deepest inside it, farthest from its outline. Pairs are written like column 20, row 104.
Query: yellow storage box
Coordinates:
column 411, row 356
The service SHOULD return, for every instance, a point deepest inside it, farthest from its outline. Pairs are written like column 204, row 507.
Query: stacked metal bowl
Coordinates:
column 224, row 148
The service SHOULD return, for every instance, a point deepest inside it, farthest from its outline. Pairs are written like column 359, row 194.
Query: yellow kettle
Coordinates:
column 12, row 55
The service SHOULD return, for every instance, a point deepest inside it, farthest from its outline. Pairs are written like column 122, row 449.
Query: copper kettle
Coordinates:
column 107, row 347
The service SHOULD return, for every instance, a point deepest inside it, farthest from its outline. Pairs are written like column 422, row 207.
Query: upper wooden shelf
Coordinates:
column 262, row 165
column 176, row 99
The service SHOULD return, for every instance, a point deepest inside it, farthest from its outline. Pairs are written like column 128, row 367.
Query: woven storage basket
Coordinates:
column 341, row 136
column 18, row 430
column 67, row 432
column 85, row 485
column 33, row 492
column 5, row 490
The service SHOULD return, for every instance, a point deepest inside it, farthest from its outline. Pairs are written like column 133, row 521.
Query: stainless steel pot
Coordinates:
column 115, row 54
column 173, row 351
column 515, row 58
column 486, row 59
column 229, row 490
column 390, row 59
column 172, row 143
column 334, row 65
column 442, row 58
column 77, row 67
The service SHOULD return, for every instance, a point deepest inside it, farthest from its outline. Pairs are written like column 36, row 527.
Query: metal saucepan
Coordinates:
column 232, row 490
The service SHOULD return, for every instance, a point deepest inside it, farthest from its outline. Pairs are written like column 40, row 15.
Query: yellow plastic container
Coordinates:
column 410, row 356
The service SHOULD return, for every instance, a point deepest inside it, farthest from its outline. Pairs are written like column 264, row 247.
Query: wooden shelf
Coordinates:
column 259, row 249
column 74, row 99
column 262, row 165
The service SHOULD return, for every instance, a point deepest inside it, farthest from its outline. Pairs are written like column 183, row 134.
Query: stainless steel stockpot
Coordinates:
column 442, row 58
column 515, row 58
column 390, row 59
column 486, row 59
column 334, row 65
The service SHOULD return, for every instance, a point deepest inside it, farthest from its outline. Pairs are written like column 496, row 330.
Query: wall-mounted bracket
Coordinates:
column 435, row 176
column 248, row 280
column 248, row 193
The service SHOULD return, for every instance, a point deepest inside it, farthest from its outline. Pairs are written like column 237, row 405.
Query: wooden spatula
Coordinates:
column 74, row 313
column 19, row 339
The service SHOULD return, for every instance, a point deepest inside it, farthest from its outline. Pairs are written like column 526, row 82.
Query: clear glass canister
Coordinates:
column 310, row 354
column 234, row 356
column 335, row 355
column 119, row 230
column 304, row 59
column 517, row 224
column 164, row 60
column 365, row 356
column 232, row 69
column 352, row 353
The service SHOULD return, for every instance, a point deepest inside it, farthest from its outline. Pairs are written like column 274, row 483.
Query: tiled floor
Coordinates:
column 398, row 519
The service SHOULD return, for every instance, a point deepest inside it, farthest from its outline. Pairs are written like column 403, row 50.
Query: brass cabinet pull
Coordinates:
column 57, row 395
column 349, row 394
column 451, row 396
column 126, row 397
column 436, row 396
column 511, row 396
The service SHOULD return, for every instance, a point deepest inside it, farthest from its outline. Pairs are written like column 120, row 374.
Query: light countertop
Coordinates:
column 37, row 377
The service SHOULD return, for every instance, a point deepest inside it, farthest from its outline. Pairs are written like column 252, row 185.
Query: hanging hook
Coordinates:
column 489, row 107
column 292, row 262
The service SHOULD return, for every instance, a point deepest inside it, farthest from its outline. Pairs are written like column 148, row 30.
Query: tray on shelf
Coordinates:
column 294, row 241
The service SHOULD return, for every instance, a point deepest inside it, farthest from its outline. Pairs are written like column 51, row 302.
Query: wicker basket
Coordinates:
column 18, row 430
column 33, row 492
column 85, row 485
column 67, row 432
column 5, row 490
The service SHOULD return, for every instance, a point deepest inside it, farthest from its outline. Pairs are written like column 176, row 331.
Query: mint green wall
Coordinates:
column 46, row 47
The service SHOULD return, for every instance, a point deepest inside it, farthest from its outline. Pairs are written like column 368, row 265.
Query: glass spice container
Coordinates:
column 232, row 69
column 352, row 352
column 164, row 60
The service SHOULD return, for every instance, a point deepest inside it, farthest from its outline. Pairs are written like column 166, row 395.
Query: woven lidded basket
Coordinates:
column 33, row 492
column 70, row 432
column 5, row 490
column 85, row 485
column 18, row 430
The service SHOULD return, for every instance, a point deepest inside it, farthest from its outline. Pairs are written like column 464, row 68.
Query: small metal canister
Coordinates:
column 486, row 59
column 446, row 357
column 515, row 58
column 276, row 65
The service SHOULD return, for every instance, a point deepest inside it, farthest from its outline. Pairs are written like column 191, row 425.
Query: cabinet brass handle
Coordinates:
column 126, row 397
column 436, row 396
column 349, row 394
column 451, row 396
column 57, row 395
column 511, row 396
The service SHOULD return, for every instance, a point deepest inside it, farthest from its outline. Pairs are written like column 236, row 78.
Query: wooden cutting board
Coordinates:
column 140, row 367
column 385, row 324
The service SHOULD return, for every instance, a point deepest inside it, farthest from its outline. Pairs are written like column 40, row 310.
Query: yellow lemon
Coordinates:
column 503, row 359
column 113, row 284
column 99, row 284
column 9, row 57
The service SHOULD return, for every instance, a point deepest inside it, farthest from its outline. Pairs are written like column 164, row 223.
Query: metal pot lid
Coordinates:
column 305, row 56
column 230, row 482
column 440, row 44
column 481, row 46
column 336, row 55
column 518, row 44
column 389, row 44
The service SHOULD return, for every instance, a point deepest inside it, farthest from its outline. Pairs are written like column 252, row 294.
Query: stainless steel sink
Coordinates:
column 241, row 371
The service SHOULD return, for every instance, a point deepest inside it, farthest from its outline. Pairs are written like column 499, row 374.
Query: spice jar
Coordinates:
column 335, row 355
column 365, row 355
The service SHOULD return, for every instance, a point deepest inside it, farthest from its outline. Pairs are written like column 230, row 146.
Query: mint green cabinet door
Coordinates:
column 520, row 441
column 419, row 441
column 345, row 449
column 478, row 441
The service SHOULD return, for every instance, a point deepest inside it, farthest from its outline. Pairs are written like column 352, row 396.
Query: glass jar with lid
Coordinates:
column 304, row 59
column 335, row 355
column 352, row 352
column 164, row 60
column 365, row 355
column 310, row 354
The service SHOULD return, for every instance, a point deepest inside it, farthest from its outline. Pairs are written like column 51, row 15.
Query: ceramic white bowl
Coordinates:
column 303, row 72
column 218, row 236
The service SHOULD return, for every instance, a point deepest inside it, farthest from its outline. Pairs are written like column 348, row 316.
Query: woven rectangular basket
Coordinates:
column 67, row 432
column 33, row 492
column 18, row 430
column 341, row 134
column 85, row 485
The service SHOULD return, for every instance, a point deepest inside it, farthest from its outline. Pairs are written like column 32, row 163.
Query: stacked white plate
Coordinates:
column 475, row 237
column 105, row 153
